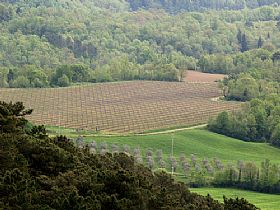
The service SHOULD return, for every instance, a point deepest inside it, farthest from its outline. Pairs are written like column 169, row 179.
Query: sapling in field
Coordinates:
column 173, row 163
column 137, row 155
column 186, row 167
column 149, row 153
column 150, row 162
column 193, row 159
column 93, row 144
column 218, row 164
column 80, row 142
column 182, row 158
column 162, row 163
column 103, row 145
column 136, row 152
column 126, row 149
column 115, row 148
column 159, row 155
column 103, row 148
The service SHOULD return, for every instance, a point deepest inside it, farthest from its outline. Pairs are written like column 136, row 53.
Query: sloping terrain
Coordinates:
column 122, row 107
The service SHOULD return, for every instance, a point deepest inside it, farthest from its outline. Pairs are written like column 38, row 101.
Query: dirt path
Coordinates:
column 172, row 131
column 148, row 134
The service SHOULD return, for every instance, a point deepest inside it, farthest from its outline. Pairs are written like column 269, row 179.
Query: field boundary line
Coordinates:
column 148, row 134
column 172, row 130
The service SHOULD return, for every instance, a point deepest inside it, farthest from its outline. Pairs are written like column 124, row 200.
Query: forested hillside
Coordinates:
column 56, row 43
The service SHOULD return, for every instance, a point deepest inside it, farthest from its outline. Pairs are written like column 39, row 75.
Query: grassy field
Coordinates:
column 263, row 201
column 200, row 142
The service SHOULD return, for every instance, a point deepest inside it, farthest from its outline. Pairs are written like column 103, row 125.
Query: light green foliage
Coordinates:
column 63, row 81
column 258, row 121
column 243, row 89
column 144, row 44
column 21, row 82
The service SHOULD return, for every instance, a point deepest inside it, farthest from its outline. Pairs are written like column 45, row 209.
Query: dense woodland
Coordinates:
column 258, row 121
column 38, row 172
column 101, row 41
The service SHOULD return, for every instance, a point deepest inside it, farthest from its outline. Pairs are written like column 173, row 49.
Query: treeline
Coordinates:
column 246, row 175
column 257, row 121
column 38, row 172
column 119, row 45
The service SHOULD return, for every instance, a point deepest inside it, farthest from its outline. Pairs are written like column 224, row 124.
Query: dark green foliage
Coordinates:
column 260, row 42
column 52, row 173
column 233, row 204
column 12, row 117
column 244, row 43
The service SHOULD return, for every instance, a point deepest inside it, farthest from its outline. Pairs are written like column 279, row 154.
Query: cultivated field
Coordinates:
column 196, row 76
column 122, row 107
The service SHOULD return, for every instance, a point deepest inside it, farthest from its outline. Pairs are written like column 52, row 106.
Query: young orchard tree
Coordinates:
column 149, row 153
column 186, row 167
column 115, row 148
column 150, row 162
column 193, row 159
column 218, row 164
column 182, row 158
column 173, row 163
column 80, row 142
column 126, row 149
column 92, row 147
column 103, row 148
column 162, row 164
column 205, row 162
column 209, row 169
column 137, row 155
column 136, row 152
column 159, row 155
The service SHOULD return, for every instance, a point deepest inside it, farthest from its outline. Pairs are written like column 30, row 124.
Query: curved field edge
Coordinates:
column 261, row 200
column 200, row 142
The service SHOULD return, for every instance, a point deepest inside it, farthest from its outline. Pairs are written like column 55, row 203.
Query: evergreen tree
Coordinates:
column 244, row 43
column 260, row 42
column 239, row 36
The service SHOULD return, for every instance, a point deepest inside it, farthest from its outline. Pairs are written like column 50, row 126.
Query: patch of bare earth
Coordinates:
column 195, row 76
column 122, row 107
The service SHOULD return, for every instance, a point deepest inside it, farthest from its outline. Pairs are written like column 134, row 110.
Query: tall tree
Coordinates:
column 244, row 43
column 260, row 42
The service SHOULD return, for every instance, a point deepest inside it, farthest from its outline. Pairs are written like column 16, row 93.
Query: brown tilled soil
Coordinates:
column 122, row 107
column 195, row 76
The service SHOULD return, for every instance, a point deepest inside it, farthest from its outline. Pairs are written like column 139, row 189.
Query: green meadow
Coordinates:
column 200, row 142
column 261, row 200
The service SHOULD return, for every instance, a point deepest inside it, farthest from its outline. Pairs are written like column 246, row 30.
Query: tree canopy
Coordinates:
column 116, row 40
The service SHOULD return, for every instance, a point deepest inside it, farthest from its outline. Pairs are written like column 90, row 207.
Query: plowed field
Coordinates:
column 122, row 107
